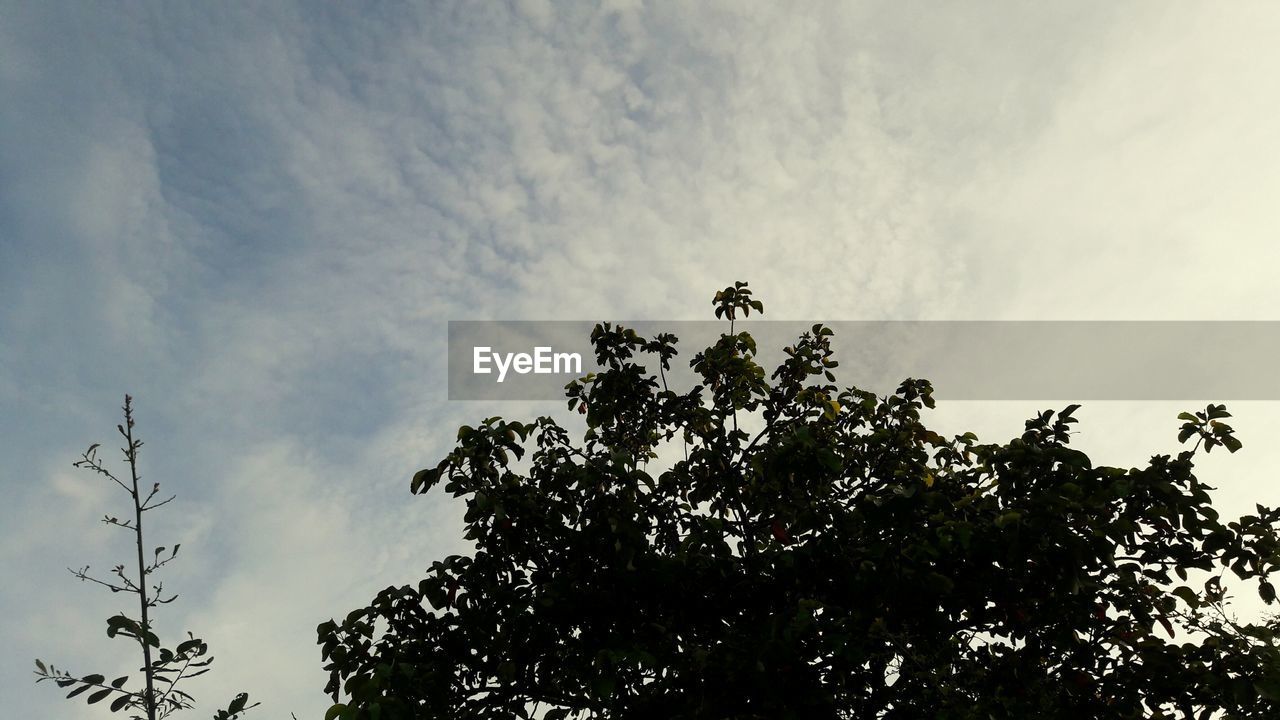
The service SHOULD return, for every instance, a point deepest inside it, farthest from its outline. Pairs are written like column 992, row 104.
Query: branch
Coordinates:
column 157, row 600
column 83, row 575
column 65, row 679
column 146, row 507
column 89, row 459
column 126, row 524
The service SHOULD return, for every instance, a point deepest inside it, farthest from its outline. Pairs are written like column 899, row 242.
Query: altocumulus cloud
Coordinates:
column 259, row 220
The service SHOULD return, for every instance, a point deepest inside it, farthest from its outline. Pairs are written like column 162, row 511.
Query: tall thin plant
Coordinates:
column 162, row 668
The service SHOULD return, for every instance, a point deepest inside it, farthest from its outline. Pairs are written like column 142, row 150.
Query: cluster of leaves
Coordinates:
column 843, row 561
column 189, row 659
column 162, row 668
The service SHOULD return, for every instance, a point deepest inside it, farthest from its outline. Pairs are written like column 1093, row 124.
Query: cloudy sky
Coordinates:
column 258, row 219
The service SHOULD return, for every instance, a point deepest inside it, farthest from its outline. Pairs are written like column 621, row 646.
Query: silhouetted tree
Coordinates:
column 162, row 668
column 844, row 561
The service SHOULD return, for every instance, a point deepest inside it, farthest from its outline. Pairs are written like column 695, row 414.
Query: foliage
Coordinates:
column 162, row 668
column 844, row 561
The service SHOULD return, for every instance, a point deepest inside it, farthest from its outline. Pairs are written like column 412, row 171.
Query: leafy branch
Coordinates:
column 162, row 668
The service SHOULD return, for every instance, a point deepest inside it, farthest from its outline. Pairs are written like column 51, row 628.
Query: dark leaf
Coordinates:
column 99, row 696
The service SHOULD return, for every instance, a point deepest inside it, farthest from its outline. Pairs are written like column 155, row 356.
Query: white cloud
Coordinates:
column 260, row 220
column 1149, row 192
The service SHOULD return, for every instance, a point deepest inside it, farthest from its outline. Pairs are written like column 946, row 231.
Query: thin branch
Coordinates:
column 91, row 461
column 83, row 575
column 126, row 524
column 153, row 507
column 174, row 681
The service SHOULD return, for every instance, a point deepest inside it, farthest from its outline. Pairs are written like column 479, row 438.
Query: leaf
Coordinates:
column 779, row 532
column 116, row 623
column 99, row 696
column 119, row 682
column 829, row 459
column 603, row 687
column 119, row 703
column 334, row 711
column 1266, row 591
column 938, row 583
column 1217, row 411
column 832, row 410
column 422, row 478
column 1012, row 516
column 41, row 666
column 78, row 690
column 1188, row 596
column 1268, row 688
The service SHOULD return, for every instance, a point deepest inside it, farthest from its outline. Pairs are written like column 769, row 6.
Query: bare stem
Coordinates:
column 131, row 454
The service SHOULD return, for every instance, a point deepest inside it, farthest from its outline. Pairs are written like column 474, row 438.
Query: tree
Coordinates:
column 843, row 561
column 162, row 668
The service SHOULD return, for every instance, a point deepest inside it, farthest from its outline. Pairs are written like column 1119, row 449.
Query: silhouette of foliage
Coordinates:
column 842, row 561
column 162, row 668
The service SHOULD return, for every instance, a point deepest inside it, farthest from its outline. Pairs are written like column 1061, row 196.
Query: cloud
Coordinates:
column 259, row 220
column 1148, row 189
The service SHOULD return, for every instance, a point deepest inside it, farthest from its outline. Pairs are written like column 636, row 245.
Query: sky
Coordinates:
column 258, row 219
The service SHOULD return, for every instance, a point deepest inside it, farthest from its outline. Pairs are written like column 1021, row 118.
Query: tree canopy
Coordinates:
column 840, row 561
